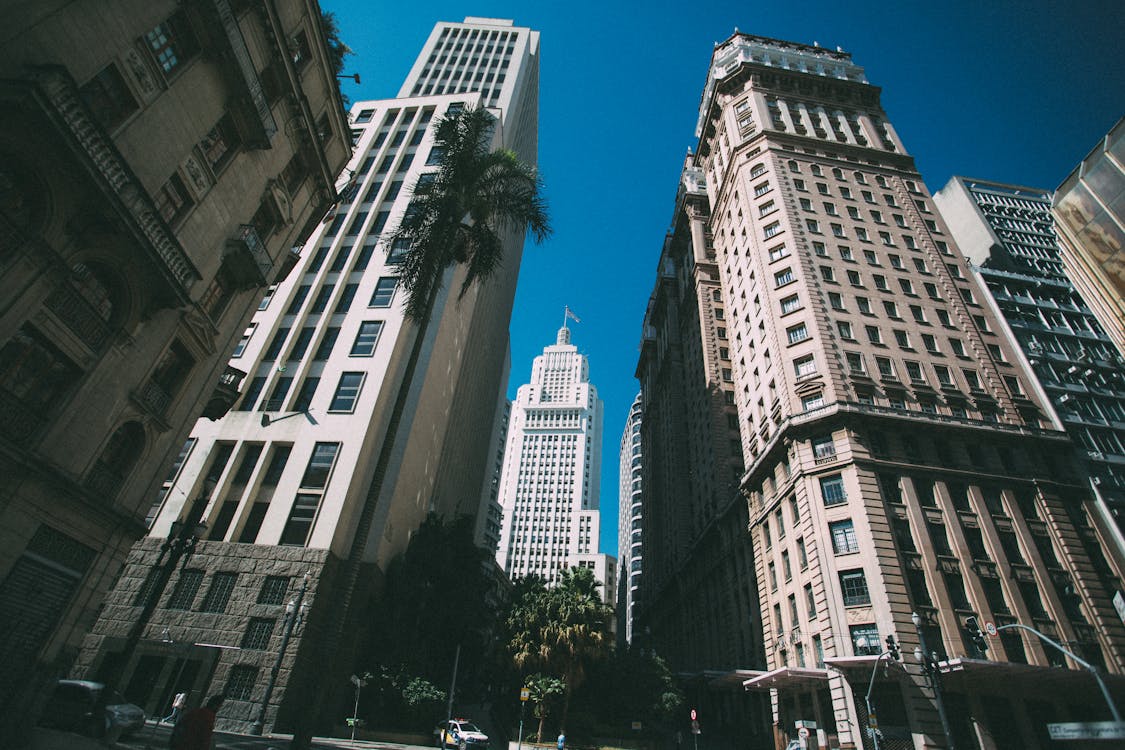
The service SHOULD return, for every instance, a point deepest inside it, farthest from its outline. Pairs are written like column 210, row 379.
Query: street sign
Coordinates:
column 1119, row 604
column 524, row 694
column 803, row 733
column 872, row 720
column 694, row 715
column 990, row 627
column 1087, row 730
column 636, row 726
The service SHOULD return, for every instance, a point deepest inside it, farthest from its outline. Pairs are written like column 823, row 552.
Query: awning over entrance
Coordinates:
column 984, row 675
column 787, row 678
column 863, row 666
column 734, row 679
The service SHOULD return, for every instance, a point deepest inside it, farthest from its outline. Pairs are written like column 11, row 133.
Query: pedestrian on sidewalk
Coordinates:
column 195, row 729
column 178, row 704
column 562, row 739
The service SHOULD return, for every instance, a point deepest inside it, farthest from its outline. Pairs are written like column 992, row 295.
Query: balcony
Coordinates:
column 225, row 393
column 153, row 399
column 246, row 260
column 250, row 107
column 79, row 316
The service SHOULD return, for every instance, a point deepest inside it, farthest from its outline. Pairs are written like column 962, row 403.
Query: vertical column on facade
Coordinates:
column 1047, row 589
column 1087, row 583
column 844, row 126
column 945, row 615
column 961, row 547
column 1032, row 646
column 786, row 115
column 870, row 132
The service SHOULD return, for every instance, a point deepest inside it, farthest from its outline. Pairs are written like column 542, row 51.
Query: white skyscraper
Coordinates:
column 552, row 468
column 354, row 422
column 629, row 508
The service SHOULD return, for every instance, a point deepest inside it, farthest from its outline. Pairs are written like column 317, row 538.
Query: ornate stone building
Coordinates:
column 158, row 160
column 698, row 584
column 899, row 458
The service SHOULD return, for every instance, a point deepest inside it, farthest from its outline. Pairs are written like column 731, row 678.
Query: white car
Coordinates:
column 461, row 734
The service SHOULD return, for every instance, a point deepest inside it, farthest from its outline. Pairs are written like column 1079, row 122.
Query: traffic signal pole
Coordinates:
column 1090, row 667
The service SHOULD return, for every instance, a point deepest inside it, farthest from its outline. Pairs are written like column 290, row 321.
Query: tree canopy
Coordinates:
column 462, row 213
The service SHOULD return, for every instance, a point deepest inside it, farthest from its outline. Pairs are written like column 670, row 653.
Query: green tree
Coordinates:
column 542, row 690
column 462, row 214
column 563, row 629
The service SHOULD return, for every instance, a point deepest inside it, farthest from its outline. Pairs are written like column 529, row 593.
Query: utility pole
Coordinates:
column 453, row 686
column 929, row 662
column 294, row 613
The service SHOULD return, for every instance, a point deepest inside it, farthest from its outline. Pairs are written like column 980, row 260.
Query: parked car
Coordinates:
column 461, row 734
column 91, row 709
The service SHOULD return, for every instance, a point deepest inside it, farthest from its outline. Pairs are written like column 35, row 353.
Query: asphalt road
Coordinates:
column 154, row 737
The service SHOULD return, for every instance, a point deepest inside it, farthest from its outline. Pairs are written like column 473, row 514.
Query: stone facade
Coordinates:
column 147, row 196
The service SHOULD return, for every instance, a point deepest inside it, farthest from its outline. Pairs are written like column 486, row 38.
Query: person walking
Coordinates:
column 178, row 704
column 562, row 739
column 194, row 731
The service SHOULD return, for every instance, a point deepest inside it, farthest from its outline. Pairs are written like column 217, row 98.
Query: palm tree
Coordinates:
column 576, row 633
column 461, row 213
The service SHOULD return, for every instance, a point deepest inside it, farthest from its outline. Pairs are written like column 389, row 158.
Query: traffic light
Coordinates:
column 893, row 648
column 976, row 636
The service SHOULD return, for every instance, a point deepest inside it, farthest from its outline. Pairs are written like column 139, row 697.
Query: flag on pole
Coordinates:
column 571, row 315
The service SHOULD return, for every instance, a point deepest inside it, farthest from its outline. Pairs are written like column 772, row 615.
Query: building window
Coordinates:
column 843, row 537
column 855, row 362
column 240, row 684
column 844, row 328
column 258, row 633
column 865, row 640
column 108, row 97
column 783, row 277
column 222, row 585
column 172, row 43
column 347, row 392
column 804, row 365
column 771, row 229
column 853, row 584
column 836, row 300
column 172, row 200
column 832, row 490
column 319, row 466
column 186, row 588
column 823, row 447
column 367, row 338
column 797, row 333
column 790, row 304
column 34, row 373
column 273, row 590
column 220, row 144
column 384, row 292
column 810, row 601
column 324, row 349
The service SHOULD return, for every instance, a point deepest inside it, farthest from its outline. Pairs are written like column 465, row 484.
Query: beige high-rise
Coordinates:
column 899, row 458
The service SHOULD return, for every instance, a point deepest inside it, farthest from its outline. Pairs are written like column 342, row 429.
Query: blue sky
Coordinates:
column 1004, row 90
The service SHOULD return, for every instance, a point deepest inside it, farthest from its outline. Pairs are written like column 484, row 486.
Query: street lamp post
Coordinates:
column 294, row 613
column 179, row 546
column 359, row 682
column 928, row 660
column 892, row 651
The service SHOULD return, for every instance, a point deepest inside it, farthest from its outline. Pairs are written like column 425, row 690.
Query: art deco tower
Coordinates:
column 898, row 457
column 354, row 424
column 552, row 468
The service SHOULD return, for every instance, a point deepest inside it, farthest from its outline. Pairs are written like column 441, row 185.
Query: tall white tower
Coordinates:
column 354, row 421
column 552, row 468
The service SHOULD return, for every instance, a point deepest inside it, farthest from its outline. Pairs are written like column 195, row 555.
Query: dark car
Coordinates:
column 461, row 734
column 91, row 709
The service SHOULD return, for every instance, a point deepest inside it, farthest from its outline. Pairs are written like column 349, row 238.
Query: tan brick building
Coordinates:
column 900, row 457
column 158, row 160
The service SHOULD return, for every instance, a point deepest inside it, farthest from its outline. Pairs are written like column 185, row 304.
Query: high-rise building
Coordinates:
column 355, row 423
column 552, row 468
column 158, row 161
column 1090, row 222
column 903, row 473
column 630, row 501
column 699, row 579
column 1007, row 232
